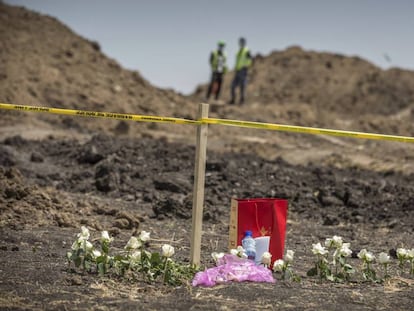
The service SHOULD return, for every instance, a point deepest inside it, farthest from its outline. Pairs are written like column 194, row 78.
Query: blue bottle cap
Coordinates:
column 248, row 233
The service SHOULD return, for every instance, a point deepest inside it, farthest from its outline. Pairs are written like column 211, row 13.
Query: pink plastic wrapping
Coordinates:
column 231, row 268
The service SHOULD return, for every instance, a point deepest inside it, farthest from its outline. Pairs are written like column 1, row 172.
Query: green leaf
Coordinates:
column 101, row 259
column 156, row 259
column 105, row 247
column 77, row 261
column 120, row 257
column 349, row 269
column 340, row 276
column 88, row 265
column 101, row 269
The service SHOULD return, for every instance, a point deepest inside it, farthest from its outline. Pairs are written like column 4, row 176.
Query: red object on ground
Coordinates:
column 262, row 216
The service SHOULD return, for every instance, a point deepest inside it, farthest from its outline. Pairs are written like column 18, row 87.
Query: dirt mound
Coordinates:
column 45, row 63
column 314, row 88
column 25, row 205
column 22, row 204
column 348, row 85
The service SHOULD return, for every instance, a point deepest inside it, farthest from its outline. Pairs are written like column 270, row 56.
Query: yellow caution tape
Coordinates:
column 246, row 124
column 95, row 114
column 308, row 130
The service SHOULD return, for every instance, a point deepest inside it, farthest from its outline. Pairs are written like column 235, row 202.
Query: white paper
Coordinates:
column 262, row 245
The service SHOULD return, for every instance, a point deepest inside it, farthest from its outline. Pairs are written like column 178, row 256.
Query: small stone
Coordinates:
column 117, row 88
column 114, row 231
column 36, row 157
column 74, row 280
column 122, row 223
column 393, row 223
column 330, row 221
column 90, row 155
column 331, row 201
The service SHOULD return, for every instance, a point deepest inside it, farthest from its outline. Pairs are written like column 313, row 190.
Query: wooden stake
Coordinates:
column 198, row 192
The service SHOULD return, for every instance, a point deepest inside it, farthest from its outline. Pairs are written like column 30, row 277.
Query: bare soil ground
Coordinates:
column 58, row 173
column 51, row 187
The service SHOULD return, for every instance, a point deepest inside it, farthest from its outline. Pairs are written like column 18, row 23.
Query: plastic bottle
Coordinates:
column 249, row 245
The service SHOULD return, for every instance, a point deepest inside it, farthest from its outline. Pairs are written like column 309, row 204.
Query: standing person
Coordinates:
column 243, row 62
column 218, row 69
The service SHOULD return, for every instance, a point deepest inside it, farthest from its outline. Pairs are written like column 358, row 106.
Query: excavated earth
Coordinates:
column 58, row 173
column 50, row 187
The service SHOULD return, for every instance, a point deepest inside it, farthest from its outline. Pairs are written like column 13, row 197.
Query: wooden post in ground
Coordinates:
column 198, row 192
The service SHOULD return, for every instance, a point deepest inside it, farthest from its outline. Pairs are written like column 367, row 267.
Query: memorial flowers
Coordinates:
column 135, row 261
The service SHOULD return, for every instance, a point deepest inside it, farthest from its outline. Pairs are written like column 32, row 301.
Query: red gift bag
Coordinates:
column 265, row 218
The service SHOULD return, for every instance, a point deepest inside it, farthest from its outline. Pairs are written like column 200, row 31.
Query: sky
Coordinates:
column 169, row 42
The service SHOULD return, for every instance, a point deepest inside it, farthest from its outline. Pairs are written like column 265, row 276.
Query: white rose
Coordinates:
column 335, row 241
column 240, row 252
column 234, row 252
column 84, row 234
column 266, row 258
column 88, row 246
column 384, row 258
column 144, row 236
column 410, row 254
column 278, row 265
column 345, row 251
column 133, row 243
column 217, row 256
column 105, row 237
column 135, row 256
column 402, row 253
column 318, row 249
column 96, row 253
column 167, row 250
column 362, row 253
column 365, row 255
column 289, row 255
column 369, row 257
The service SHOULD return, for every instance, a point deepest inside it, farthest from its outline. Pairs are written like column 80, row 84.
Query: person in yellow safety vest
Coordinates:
column 218, row 69
column 243, row 62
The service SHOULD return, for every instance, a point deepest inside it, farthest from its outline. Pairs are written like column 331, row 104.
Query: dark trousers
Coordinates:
column 215, row 84
column 239, row 80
